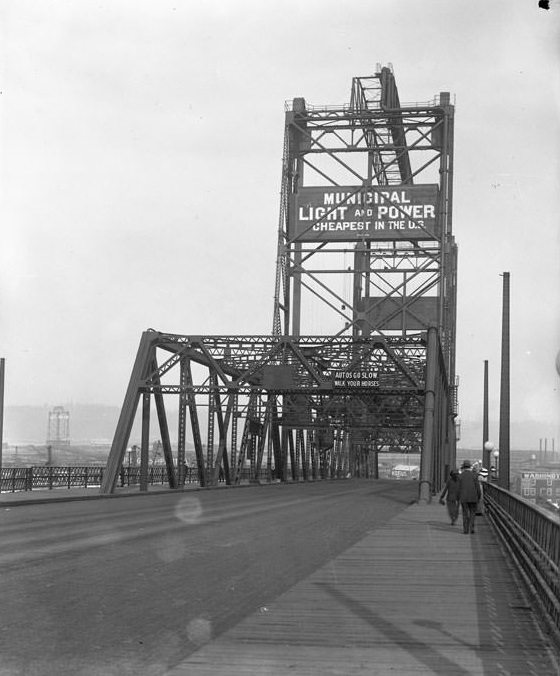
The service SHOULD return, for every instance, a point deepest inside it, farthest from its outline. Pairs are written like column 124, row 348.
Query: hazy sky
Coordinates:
column 141, row 160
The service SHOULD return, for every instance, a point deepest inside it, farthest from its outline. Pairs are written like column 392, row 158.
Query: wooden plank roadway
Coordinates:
column 416, row 596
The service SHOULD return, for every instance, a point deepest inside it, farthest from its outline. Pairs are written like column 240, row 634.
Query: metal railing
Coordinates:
column 15, row 479
column 532, row 539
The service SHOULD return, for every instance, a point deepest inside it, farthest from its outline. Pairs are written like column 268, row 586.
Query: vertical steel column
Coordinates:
column 145, row 443
column 503, row 475
column 447, row 318
column 235, row 416
column 352, row 464
column 441, row 450
column 291, row 447
column 210, row 437
column 263, row 433
column 294, row 272
column 426, row 462
column 221, row 459
column 269, row 444
column 485, row 431
column 340, row 453
column 252, row 454
column 314, row 451
column 360, row 267
column 187, row 381
column 243, row 448
column 182, row 425
column 164, row 430
column 332, row 470
column 283, row 452
column 252, row 418
column 323, row 460
column 436, row 439
column 281, row 274
column 299, row 453
column 345, row 450
column 359, row 459
column 375, row 452
column 305, row 457
column 165, row 440
column 277, row 443
column 2, row 372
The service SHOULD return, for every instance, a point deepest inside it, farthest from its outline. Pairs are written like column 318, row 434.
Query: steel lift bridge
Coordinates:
column 366, row 253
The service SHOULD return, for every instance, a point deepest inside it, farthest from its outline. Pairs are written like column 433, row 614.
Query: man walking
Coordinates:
column 469, row 495
column 451, row 490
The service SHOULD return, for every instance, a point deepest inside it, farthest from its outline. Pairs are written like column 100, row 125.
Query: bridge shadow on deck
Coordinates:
column 415, row 596
column 421, row 650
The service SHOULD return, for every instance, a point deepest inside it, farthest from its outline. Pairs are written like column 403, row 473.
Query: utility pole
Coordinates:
column 503, row 478
column 2, row 370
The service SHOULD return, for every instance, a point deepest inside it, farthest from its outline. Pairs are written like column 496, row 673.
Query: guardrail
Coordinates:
column 532, row 538
column 14, row 479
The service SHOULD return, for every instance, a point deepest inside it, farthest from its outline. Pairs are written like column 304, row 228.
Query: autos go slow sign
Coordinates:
column 355, row 378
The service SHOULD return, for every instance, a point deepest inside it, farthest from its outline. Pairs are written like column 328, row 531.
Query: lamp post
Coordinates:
column 496, row 456
column 485, row 442
column 488, row 448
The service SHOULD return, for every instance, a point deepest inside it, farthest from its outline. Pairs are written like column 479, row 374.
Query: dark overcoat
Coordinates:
column 451, row 490
column 469, row 487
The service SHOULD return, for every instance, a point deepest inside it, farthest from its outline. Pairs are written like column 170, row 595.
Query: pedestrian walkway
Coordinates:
column 414, row 597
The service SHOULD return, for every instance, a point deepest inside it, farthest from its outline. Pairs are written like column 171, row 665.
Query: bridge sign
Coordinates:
column 372, row 213
column 355, row 378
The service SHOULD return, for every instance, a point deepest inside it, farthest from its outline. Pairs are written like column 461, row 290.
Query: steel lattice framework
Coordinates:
column 314, row 391
column 362, row 353
column 399, row 280
column 386, row 276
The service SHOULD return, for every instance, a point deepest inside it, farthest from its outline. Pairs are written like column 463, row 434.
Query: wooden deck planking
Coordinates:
column 413, row 597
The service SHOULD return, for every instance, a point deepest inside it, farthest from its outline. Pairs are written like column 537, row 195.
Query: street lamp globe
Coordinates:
column 496, row 466
column 488, row 446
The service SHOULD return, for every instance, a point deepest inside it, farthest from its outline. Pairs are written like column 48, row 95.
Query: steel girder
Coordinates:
column 282, row 407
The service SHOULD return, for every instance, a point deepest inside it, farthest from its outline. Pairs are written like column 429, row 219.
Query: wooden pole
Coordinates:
column 503, row 476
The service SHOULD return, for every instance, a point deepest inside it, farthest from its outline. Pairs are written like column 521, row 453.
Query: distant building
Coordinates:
column 58, row 430
column 540, row 485
column 405, row 472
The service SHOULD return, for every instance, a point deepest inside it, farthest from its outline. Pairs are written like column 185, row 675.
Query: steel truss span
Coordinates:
column 366, row 251
column 285, row 407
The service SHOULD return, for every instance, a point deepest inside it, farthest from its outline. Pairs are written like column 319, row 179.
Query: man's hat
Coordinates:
column 466, row 463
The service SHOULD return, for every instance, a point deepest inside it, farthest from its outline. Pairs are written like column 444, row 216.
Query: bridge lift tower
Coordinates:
column 361, row 358
column 366, row 248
